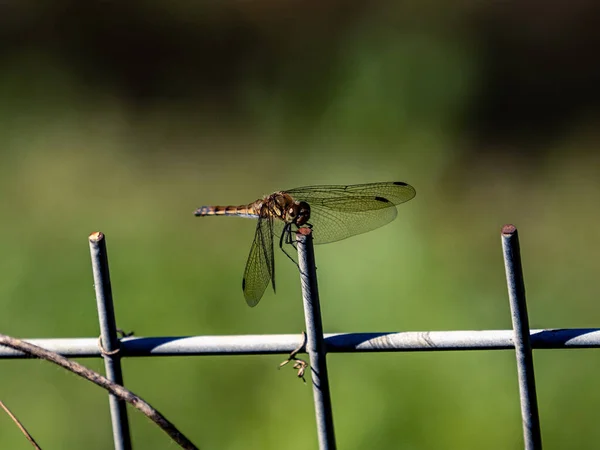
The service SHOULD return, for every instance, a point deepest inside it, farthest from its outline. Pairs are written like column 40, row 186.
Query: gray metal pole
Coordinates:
column 315, row 343
column 518, row 307
column 271, row 344
column 109, row 339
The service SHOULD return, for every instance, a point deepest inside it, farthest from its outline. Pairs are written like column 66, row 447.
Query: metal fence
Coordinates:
column 317, row 344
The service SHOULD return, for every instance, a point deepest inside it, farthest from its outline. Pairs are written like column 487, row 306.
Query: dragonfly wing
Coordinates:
column 333, row 225
column 356, row 197
column 260, row 267
column 339, row 212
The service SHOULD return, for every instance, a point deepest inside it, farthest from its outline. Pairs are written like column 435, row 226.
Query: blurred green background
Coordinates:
column 125, row 118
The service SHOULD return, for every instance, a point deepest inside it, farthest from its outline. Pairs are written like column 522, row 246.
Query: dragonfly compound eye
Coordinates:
column 303, row 213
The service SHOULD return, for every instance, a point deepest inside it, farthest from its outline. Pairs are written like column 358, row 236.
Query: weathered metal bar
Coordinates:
column 315, row 343
column 109, row 339
column 279, row 344
column 518, row 307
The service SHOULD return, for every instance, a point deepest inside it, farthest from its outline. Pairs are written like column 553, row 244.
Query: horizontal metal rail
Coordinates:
column 262, row 344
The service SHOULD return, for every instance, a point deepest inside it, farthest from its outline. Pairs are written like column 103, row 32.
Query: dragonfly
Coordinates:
column 333, row 212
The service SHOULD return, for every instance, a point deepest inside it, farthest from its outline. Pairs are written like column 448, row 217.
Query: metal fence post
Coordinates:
column 315, row 343
column 109, row 339
column 518, row 307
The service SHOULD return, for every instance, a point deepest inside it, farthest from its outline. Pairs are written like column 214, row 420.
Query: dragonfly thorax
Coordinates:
column 283, row 206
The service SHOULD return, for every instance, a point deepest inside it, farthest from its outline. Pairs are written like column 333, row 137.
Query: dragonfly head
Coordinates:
column 299, row 213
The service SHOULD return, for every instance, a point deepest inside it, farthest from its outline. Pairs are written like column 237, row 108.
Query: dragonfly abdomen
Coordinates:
column 240, row 211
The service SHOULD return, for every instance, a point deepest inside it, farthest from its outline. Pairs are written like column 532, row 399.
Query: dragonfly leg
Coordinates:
column 287, row 235
column 289, row 239
column 300, row 365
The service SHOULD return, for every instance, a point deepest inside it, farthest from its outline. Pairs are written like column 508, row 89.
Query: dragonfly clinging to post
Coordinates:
column 333, row 212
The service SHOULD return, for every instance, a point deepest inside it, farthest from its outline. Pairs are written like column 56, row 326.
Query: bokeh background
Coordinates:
column 124, row 118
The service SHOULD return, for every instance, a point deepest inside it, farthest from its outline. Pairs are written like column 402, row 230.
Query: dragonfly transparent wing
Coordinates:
column 260, row 267
column 339, row 212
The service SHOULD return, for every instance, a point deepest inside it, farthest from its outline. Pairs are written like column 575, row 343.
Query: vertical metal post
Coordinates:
column 518, row 307
column 109, row 339
column 315, row 343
